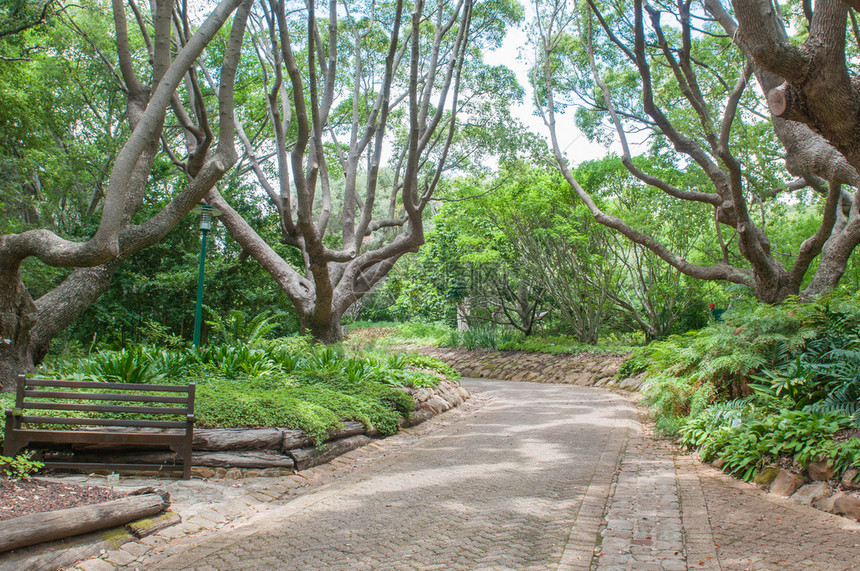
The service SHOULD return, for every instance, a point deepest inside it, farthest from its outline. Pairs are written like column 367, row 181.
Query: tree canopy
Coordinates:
column 336, row 137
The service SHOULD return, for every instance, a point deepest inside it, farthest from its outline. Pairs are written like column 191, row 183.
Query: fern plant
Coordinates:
column 238, row 329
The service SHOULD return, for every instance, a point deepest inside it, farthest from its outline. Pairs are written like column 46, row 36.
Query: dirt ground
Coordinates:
column 31, row 496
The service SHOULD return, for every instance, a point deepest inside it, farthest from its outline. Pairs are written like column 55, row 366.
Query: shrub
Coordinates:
column 283, row 382
column 797, row 367
column 20, row 467
column 132, row 365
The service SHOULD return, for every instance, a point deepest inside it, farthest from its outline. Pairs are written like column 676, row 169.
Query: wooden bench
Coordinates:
column 82, row 397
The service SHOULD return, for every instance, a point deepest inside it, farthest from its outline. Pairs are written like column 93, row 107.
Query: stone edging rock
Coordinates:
column 583, row 369
column 248, row 452
column 815, row 488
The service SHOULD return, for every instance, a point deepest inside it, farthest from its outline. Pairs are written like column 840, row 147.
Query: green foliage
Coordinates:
column 560, row 345
column 132, row 365
column 157, row 334
column 746, row 439
column 238, row 328
column 430, row 364
column 316, row 404
column 727, row 354
column 283, row 382
column 804, row 359
column 670, row 399
column 481, row 338
column 432, row 334
column 7, row 400
column 20, row 467
column 234, row 361
column 825, row 374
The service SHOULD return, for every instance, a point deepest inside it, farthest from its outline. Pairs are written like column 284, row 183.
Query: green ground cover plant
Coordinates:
column 388, row 333
column 289, row 382
column 766, row 383
column 18, row 468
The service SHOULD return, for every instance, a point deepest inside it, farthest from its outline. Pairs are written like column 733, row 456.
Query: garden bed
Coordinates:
column 25, row 497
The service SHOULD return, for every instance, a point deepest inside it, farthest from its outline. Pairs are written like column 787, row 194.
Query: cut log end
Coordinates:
column 777, row 101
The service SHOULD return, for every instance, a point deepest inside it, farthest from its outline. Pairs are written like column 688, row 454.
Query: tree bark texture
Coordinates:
column 819, row 90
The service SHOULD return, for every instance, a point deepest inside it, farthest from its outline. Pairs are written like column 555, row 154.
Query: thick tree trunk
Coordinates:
column 17, row 316
column 28, row 327
column 834, row 256
column 774, row 286
column 324, row 326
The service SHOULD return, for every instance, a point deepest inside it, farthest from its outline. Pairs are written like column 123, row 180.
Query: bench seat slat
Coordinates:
column 165, row 410
column 99, row 384
column 103, row 422
column 103, row 396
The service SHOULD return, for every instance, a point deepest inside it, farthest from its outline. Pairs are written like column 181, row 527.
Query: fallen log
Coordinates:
column 256, row 459
column 37, row 528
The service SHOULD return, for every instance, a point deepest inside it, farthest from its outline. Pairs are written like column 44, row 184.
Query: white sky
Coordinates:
column 515, row 54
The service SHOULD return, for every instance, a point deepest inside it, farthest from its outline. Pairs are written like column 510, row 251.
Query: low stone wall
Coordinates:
column 584, row 369
column 815, row 486
column 247, row 452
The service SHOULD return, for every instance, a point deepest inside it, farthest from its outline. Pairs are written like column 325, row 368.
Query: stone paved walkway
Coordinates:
column 534, row 477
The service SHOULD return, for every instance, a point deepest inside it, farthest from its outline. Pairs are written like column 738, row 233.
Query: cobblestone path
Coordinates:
column 536, row 477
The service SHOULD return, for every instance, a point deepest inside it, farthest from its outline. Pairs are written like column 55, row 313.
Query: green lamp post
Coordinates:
column 206, row 214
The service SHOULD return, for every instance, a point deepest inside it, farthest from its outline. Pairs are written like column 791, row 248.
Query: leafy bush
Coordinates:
column 132, row 365
column 235, row 361
column 825, row 375
column 763, row 344
column 283, row 382
column 746, row 442
column 20, row 467
column 237, row 328
column 796, row 367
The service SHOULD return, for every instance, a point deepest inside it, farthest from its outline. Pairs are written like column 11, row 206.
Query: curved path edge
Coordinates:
column 571, row 480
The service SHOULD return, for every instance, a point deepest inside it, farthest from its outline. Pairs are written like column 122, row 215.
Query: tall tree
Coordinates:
column 173, row 50
column 687, row 98
column 345, row 90
column 814, row 99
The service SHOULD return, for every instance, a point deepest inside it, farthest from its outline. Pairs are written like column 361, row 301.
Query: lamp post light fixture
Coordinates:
column 207, row 213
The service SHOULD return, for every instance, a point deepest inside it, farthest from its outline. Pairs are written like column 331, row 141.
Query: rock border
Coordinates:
column 582, row 369
column 815, row 488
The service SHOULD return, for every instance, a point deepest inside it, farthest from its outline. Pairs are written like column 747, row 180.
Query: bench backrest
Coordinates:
column 175, row 409
column 85, row 401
